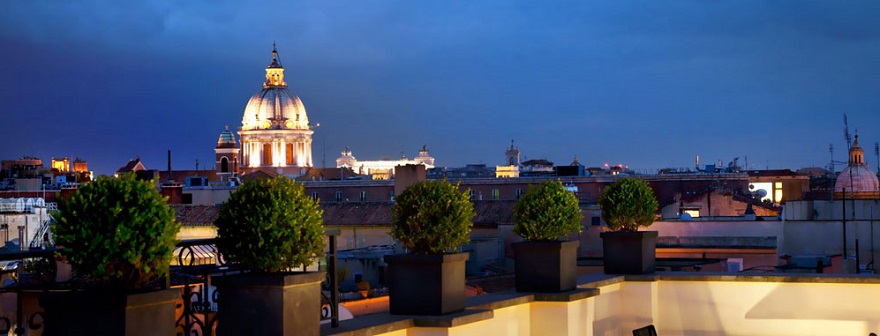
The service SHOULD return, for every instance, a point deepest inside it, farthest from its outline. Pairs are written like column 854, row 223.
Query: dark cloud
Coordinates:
column 648, row 84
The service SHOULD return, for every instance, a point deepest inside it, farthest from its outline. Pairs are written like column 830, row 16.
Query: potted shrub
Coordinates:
column 430, row 219
column 267, row 227
column 544, row 216
column 626, row 205
column 118, row 235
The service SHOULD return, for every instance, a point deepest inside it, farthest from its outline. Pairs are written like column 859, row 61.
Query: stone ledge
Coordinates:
column 385, row 323
column 453, row 320
column 767, row 277
column 577, row 294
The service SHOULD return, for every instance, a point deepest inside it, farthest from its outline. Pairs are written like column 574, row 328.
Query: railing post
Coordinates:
column 334, row 282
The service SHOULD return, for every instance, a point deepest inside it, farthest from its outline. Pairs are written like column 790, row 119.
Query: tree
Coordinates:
column 432, row 217
column 119, row 232
column 547, row 212
column 628, row 204
column 270, row 225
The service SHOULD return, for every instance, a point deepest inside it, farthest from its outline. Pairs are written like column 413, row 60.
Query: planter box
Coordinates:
column 546, row 266
column 269, row 304
column 627, row 252
column 431, row 284
column 96, row 312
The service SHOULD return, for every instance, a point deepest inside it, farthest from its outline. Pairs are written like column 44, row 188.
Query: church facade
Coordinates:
column 275, row 134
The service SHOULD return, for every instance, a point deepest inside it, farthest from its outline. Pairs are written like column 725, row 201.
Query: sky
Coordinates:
column 646, row 84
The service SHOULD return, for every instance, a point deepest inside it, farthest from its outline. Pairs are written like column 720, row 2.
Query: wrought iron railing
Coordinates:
column 194, row 263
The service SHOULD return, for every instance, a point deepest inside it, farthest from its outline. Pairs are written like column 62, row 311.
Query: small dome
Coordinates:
column 856, row 179
column 227, row 139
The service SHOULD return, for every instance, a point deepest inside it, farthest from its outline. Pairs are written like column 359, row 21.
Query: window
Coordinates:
column 363, row 196
column 315, row 196
column 267, row 154
column 339, row 196
column 495, row 194
column 289, row 150
column 471, row 192
column 224, row 165
column 595, row 221
column 519, row 192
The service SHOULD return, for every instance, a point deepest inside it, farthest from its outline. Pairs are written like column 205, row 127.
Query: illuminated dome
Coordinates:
column 858, row 180
column 275, row 134
column 274, row 107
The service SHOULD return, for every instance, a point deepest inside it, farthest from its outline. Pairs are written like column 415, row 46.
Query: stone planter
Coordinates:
column 546, row 266
column 269, row 304
column 97, row 312
column 430, row 284
column 626, row 252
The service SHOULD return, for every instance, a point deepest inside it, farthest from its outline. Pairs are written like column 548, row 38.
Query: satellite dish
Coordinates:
column 751, row 187
column 762, row 193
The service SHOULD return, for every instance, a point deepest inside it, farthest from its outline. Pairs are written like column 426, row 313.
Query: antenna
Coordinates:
column 877, row 153
column 831, row 165
column 846, row 132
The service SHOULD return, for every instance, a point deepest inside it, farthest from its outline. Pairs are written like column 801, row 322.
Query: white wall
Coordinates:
column 731, row 305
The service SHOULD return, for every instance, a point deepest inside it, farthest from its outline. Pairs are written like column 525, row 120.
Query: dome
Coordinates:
column 856, row 179
column 227, row 139
column 274, row 107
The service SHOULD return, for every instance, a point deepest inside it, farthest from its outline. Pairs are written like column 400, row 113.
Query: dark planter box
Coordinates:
column 546, row 266
column 431, row 284
column 626, row 252
column 97, row 312
column 269, row 304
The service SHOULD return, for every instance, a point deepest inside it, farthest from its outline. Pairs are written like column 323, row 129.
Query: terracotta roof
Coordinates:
column 493, row 213
column 195, row 215
column 489, row 213
column 130, row 166
column 258, row 175
column 357, row 213
column 323, row 174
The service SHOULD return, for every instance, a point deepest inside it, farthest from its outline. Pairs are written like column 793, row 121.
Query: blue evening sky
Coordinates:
column 647, row 84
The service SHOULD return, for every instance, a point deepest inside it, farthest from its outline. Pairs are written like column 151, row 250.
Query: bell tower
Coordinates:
column 226, row 153
column 512, row 154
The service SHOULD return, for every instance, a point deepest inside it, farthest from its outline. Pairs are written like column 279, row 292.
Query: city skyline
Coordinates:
column 645, row 85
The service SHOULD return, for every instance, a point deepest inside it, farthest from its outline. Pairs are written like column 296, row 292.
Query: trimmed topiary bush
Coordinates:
column 628, row 204
column 118, row 232
column 432, row 217
column 270, row 225
column 547, row 212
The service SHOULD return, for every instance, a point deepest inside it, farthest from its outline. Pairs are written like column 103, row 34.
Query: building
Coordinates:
column 275, row 133
column 226, row 154
column 382, row 169
column 511, row 169
column 856, row 181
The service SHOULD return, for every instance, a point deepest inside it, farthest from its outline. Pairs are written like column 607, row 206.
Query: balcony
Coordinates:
column 675, row 303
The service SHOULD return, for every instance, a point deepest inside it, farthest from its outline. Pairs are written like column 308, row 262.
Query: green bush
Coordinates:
column 119, row 232
column 432, row 217
column 547, row 212
column 628, row 204
column 270, row 225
